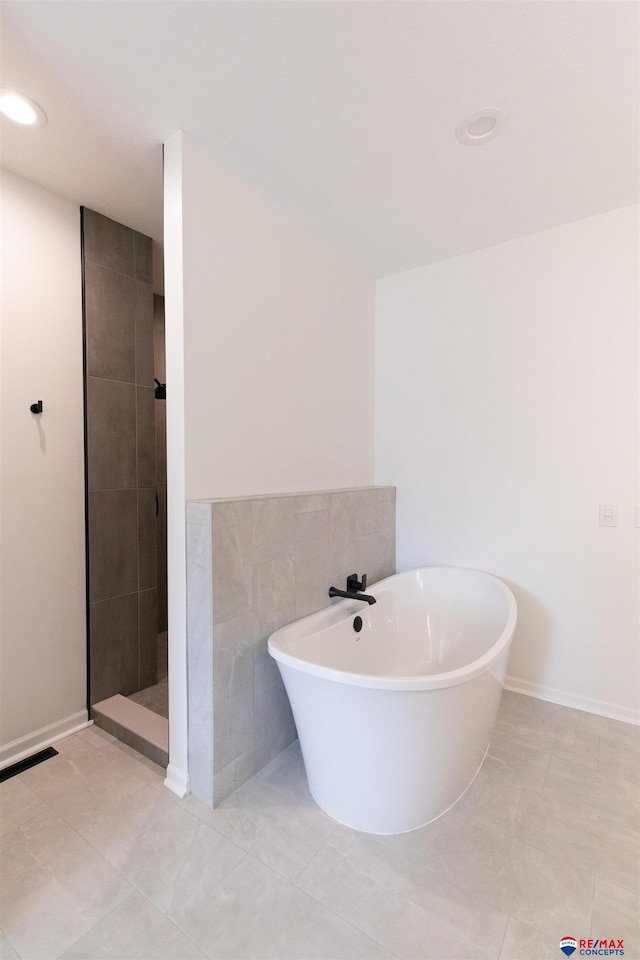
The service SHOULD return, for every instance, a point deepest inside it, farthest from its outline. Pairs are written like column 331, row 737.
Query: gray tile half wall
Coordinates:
column 255, row 564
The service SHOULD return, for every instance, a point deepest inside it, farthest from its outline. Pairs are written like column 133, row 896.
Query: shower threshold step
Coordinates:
column 134, row 725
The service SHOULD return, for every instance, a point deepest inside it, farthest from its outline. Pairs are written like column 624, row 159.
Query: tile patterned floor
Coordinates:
column 100, row 860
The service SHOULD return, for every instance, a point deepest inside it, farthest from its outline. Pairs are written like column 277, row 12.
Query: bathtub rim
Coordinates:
column 345, row 609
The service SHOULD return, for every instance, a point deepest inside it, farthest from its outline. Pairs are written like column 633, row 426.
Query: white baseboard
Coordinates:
column 601, row 707
column 39, row 739
column 177, row 781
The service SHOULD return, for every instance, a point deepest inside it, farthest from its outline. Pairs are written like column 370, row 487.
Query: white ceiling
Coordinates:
column 344, row 110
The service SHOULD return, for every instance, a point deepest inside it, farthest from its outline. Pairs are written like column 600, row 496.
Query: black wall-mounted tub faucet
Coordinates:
column 354, row 586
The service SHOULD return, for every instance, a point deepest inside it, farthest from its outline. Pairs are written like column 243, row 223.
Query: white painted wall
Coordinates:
column 270, row 366
column 507, row 410
column 43, row 633
column 278, row 341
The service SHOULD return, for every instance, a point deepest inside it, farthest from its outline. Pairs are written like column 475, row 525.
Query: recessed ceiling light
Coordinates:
column 15, row 106
column 481, row 126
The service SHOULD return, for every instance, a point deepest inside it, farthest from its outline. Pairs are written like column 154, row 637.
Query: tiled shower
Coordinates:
column 124, row 500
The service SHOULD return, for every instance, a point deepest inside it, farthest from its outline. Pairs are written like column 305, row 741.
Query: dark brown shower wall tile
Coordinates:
column 161, row 441
column 148, row 638
column 110, row 323
column 158, row 338
column 113, row 543
column 161, row 537
column 111, row 434
column 143, row 258
column 161, row 520
column 144, row 334
column 147, row 555
column 108, row 243
column 146, row 436
column 114, row 647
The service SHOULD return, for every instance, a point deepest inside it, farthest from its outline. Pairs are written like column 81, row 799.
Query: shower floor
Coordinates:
column 156, row 698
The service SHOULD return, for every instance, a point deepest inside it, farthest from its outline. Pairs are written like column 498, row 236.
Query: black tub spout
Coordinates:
column 351, row 595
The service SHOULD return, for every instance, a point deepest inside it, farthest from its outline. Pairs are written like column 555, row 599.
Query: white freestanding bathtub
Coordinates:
column 394, row 721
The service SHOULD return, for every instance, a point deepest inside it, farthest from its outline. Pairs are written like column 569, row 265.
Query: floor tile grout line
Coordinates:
column 60, row 816
column 623, row 743
column 595, row 770
column 504, row 936
column 258, row 857
column 617, row 823
column 324, row 843
column 480, row 896
column 107, row 914
column 19, row 777
column 464, row 892
column 460, row 890
column 549, row 792
column 325, row 906
column 153, row 826
column 177, row 926
column 92, row 730
column 546, row 774
column 11, row 943
column 562, row 859
column 532, row 717
column 56, row 813
column 211, row 891
column 134, row 885
column 136, row 889
column 550, row 753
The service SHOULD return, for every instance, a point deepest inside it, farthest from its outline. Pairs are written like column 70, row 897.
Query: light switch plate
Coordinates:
column 608, row 515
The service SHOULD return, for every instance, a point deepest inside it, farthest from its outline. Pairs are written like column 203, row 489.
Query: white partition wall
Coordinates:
column 269, row 364
column 278, row 341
